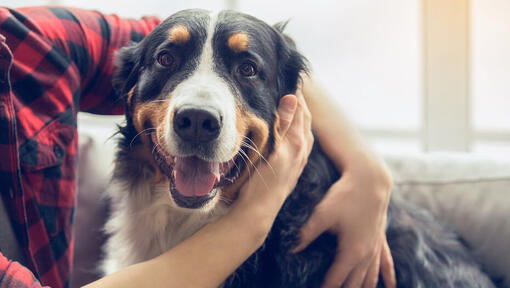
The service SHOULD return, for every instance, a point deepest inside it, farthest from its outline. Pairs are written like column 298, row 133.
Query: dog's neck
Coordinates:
column 168, row 224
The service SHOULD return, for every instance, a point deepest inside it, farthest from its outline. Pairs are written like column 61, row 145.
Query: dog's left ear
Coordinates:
column 290, row 62
column 127, row 69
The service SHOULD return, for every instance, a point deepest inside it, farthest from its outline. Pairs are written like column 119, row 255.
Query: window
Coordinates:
column 367, row 54
column 414, row 75
column 490, row 76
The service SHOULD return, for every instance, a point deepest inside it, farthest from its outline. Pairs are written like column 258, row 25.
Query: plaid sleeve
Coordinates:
column 14, row 275
column 90, row 40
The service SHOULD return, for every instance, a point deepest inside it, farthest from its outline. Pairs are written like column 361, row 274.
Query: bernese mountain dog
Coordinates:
column 201, row 94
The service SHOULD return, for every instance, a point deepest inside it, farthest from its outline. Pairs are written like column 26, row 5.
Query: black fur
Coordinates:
column 425, row 253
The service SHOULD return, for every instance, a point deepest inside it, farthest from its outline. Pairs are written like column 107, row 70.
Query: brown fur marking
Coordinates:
column 179, row 34
column 238, row 42
column 151, row 115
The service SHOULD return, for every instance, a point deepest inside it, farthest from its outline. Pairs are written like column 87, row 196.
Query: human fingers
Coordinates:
column 307, row 114
column 387, row 266
column 289, row 157
column 316, row 225
column 286, row 111
column 295, row 131
column 356, row 277
column 306, row 124
column 372, row 276
column 299, row 138
column 338, row 271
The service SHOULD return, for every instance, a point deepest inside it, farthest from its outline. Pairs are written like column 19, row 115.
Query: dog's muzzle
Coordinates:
column 193, row 177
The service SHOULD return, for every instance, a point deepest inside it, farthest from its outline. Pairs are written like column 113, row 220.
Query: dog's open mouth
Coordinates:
column 193, row 181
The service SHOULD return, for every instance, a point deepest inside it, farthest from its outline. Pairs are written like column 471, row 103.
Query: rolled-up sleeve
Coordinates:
column 15, row 275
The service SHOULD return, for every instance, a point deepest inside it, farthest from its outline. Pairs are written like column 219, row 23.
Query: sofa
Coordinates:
column 469, row 193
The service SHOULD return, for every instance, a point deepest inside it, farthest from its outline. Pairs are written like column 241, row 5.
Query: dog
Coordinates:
column 201, row 93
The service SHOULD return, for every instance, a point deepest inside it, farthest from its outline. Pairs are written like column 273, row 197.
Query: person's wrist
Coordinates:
column 265, row 203
column 258, row 209
column 366, row 164
column 257, row 220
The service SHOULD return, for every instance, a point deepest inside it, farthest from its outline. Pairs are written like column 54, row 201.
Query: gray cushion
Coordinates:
column 470, row 194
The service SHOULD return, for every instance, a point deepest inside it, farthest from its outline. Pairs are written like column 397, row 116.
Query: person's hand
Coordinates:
column 355, row 210
column 275, row 179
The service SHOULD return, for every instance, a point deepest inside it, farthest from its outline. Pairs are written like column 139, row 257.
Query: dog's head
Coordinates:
column 201, row 94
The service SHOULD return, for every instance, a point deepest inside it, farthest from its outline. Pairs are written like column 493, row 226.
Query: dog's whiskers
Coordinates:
column 226, row 200
column 254, row 147
column 243, row 155
column 256, row 150
column 254, row 167
column 139, row 133
column 160, row 100
column 157, row 146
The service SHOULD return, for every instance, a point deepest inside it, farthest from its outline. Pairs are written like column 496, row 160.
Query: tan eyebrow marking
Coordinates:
column 238, row 42
column 179, row 34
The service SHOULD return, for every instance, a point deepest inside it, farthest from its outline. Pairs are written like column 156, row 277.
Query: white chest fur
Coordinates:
column 143, row 224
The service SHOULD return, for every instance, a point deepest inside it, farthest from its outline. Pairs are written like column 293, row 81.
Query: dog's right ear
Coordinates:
column 127, row 69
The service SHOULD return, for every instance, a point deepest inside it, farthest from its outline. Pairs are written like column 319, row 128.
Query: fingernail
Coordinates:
column 288, row 106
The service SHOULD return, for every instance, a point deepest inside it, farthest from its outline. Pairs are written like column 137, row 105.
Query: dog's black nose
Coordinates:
column 197, row 125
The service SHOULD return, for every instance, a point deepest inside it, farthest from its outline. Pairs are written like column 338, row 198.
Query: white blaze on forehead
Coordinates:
column 206, row 89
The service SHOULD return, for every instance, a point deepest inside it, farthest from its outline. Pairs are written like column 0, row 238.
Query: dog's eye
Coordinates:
column 247, row 69
column 165, row 59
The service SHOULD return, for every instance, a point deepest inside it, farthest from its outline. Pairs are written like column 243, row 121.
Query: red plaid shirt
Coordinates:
column 53, row 62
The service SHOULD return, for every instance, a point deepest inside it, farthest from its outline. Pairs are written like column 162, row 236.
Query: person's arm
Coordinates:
column 209, row 256
column 204, row 260
column 355, row 207
column 88, row 41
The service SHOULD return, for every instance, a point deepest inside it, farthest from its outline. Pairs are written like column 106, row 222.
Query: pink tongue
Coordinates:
column 194, row 176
